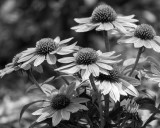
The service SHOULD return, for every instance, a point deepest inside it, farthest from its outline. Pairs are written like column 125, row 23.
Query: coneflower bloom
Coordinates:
column 116, row 84
column 143, row 36
column 46, row 49
column 13, row 66
column 59, row 104
column 87, row 61
column 104, row 18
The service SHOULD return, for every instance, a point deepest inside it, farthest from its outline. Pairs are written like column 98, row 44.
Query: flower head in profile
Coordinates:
column 46, row 49
column 144, row 35
column 88, row 61
column 59, row 104
column 116, row 84
column 104, row 18
column 13, row 66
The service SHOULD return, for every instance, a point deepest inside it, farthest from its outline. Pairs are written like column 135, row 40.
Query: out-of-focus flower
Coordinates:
column 14, row 66
column 143, row 35
column 59, row 104
column 116, row 84
column 46, row 49
column 88, row 61
column 104, row 18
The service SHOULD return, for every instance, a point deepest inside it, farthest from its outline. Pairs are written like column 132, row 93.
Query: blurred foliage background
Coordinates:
column 23, row 22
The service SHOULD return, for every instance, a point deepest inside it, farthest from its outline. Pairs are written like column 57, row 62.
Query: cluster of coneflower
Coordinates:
column 101, row 84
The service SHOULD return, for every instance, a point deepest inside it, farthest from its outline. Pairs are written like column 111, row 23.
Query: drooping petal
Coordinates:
column 57, row 40
column 104, row 66
column 93, row 69
column 39, row 60
column 155, row 46
column 65, row 114
column 51, row 58
column 108, row 26
column 66, row 60
column 65, row 41
column 66, row 66
column 130, row 89
column 73, row 108
column 138, row 43
column 146, row 44
column 114, row 93
column 83, row 20
column 119, row 26
column 105, row 87
column 25, row 58
column 56, row 118
column 43, row 117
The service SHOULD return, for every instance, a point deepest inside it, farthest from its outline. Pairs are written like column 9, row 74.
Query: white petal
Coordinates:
column 146, row 44
column 157, row 39
column 65, row 114
column 130, row 89
column 93, row 69
column 83, row 20
column 100, row 27
column 66, row 60
column 108, row 26
column 114, row 93
column 51, row 59
column 39, row 60
column 105, row 66
column 65, row 41
column 25, row 58
column 155, row 46
column 119, row 26
column 86, row 75
column 66, row 67
column 57, row 40
column 138, row 43
column 106, row 87
column 56, row 118
column 71, row 70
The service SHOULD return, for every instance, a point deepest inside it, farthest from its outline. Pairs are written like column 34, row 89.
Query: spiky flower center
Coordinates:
column 86, row 56
column 60, row 101
column 144, row 32
column 112, row 77
column 45, row 46
column 103, row 13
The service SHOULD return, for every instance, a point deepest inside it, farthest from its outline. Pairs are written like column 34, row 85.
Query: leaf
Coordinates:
column 31, row 88
column 150, row 107
column 35, row 124
column 48, row 80
column 26, row 106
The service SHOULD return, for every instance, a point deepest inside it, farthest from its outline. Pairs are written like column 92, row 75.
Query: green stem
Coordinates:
column 150, row 118
column 93, row 84
column 137, row 59
column 32, row 78
column 106, row 40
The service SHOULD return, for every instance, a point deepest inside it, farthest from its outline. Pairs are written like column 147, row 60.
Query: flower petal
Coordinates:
column 104, row 66
column 65, row 114
column 155, row 46
column 130, row 89
column 93, row 68
column 83, row 20
column 39, row 60
column 79, row 100
column 57, row 40
column 65, row 41
column 114, row 93
column 51, row 59
column 56, row 118
column 66, row 60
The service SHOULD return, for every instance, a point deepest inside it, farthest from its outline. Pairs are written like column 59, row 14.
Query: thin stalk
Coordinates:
column 99, row 100
column 32, row 78
column 106, row 97
column 106, row 40
column 150, row 118
column 137, row 60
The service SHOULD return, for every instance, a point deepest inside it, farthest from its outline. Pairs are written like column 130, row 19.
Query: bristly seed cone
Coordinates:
column 45, row 46
column 86, row 56
column 145, row 32
column 60, row 101
column 112, row 77
column 103, row 13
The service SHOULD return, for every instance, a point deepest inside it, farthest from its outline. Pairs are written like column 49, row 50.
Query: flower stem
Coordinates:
column 106, row 97
column 106, row 40
column 99, row 100
column 32, row 78
column 141, row 50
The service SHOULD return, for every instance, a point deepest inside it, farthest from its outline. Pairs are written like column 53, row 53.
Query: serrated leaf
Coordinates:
column 27, row 106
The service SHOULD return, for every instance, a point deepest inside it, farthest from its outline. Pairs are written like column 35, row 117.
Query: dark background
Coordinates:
column 24, row 22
